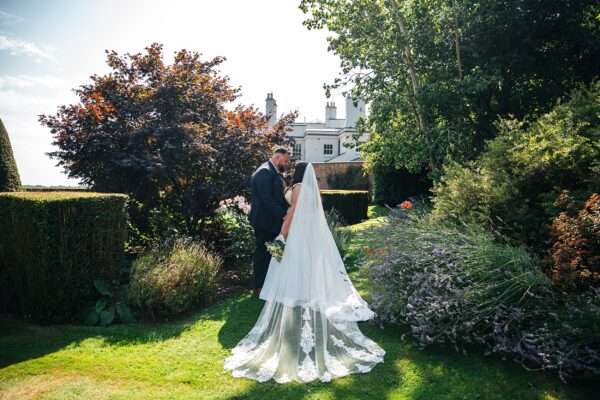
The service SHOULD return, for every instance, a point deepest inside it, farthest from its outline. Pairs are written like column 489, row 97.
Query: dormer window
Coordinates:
column 328, row 149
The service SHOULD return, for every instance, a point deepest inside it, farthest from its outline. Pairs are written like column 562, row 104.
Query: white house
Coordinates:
column 324, row 141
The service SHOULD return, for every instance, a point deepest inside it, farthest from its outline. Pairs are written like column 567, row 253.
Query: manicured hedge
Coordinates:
column 352, row 205
column 52, row 247
column 9, row 174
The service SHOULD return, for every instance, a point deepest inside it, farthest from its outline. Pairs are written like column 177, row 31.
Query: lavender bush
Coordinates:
column 459, row 285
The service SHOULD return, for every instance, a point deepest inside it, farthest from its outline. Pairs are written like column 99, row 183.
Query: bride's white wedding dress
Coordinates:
column 307, row 329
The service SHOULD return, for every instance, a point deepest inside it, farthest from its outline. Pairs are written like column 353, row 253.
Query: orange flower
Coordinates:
column 406, row 204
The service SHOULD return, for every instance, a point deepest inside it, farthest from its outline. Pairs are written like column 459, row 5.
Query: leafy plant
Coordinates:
column 163, row 134
column 439, row 73
column 513, row 185
column 111, row 307
column 171, row 279
column 353, row 178
column 459, row 285
column 576, row 248
column 351, row 205
column 235, row 241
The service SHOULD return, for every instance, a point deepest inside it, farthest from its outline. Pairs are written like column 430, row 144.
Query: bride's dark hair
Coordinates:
column 299, row 172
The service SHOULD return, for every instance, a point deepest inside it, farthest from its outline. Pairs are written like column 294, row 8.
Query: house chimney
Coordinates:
column 271, row 109
column 330, row 111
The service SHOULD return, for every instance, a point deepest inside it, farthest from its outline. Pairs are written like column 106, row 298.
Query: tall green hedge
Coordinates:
column 9, row 175
column 352, row 205
column 52, row 247
column 392, row 186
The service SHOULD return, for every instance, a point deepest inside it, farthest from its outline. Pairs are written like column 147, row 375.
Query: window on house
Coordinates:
column 327, row 149
column 297, row 150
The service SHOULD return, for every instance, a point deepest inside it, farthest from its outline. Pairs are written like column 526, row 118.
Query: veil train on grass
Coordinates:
column 307, row 329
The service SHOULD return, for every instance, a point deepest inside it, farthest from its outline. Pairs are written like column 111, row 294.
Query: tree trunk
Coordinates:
column 457, row 42
column 399, row 18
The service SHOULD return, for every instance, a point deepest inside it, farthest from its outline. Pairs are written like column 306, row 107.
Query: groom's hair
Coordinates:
column 280, row 150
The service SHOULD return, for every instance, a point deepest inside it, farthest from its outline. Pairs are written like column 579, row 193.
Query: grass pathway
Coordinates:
column 184, row 360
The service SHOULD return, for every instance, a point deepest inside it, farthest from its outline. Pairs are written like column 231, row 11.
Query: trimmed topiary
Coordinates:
column 9, row 174
column 352, row 205
column 52, row 248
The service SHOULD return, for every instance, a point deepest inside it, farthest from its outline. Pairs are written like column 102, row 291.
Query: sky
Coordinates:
column 48, row 48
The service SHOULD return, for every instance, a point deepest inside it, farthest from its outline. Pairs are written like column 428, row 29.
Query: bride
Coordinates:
column 307, row 329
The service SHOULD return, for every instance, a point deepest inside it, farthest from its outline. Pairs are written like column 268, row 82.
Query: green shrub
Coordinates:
column 514, row 184
column 352, row 205
column 9, row 174
column 171, row 280
column 392, row 186
column 235, row 240
column 53, row 246
column 353, row 178
column 458, row 285
column 576, row 248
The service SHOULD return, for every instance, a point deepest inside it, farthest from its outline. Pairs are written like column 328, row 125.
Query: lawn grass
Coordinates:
column 184, row 360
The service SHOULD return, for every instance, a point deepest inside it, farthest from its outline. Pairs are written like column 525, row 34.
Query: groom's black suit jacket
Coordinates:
column 268, row 205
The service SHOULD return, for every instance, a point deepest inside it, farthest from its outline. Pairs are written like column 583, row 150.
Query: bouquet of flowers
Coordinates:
column 276, row 247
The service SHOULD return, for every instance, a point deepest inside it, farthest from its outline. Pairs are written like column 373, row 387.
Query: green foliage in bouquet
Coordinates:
column 276, row 249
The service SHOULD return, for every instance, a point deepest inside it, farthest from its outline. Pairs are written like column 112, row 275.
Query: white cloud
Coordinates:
column 9, row 19
column 22, row 47
column 30, row 81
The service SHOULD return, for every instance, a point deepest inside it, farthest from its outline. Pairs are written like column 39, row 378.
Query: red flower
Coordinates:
column 406, row 204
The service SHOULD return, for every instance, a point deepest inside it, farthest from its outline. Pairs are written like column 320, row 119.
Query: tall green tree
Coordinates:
column 162, row 134
column 438, row 73
column 9, row 174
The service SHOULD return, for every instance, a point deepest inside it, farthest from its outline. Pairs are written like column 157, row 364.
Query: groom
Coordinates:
column 268, row 209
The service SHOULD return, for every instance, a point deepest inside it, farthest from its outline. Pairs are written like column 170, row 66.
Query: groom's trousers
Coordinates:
column 262, row 257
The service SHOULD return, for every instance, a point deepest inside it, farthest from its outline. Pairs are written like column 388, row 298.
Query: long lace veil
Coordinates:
column 307, row 328
column 311, row 272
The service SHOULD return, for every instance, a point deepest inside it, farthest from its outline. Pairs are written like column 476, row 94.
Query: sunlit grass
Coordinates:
column 184, row 360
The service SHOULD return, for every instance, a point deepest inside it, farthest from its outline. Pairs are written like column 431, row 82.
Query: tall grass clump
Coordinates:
column 458, row 284
column 172, row 279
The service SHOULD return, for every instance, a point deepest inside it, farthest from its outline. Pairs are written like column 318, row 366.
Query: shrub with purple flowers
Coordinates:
column 459, row 285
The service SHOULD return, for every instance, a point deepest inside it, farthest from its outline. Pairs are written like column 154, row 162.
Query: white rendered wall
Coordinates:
column 313, row 149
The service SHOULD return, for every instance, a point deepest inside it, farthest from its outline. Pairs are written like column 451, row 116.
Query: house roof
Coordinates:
column 347, row 156
column 323, row 131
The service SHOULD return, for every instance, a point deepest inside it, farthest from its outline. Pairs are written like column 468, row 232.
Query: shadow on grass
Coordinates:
column 374, row 385
column 437, row 372
column 21, row 341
